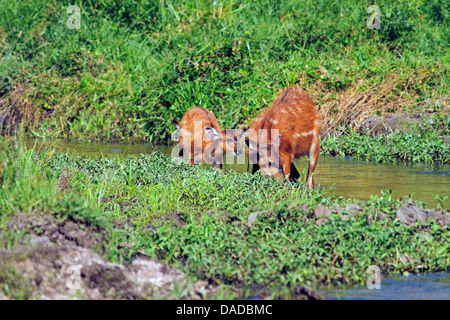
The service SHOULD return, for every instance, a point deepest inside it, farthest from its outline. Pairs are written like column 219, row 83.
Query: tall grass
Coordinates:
column 134, row 63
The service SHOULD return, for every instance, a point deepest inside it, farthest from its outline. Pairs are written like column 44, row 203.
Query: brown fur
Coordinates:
column 293, row 113
column 203, row 117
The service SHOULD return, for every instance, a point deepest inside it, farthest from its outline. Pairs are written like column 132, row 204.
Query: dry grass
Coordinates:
column 15, row 109
column 395, row 94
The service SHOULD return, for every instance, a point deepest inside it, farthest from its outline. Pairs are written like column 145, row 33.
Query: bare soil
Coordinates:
column 56, row 260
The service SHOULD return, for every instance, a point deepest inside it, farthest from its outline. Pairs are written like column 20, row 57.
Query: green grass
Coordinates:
column 28, row 189
column 288, row 248
column 284, row 247
column 134, row 63
column 425, row 146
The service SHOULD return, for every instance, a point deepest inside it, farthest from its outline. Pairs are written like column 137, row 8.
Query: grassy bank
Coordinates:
column 132, row 64
column 227, row 229
column 426, row 146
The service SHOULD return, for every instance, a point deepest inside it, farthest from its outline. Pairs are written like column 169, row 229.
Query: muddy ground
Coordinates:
column 58, row 260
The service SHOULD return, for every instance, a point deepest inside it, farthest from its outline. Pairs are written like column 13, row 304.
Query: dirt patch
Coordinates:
column 125, row 205
column 16, row 108
column 64, row 182
column 62, row 231
column 52, row 271
column 55, row 260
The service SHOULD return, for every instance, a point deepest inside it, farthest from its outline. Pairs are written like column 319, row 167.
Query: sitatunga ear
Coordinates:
column 212, row 133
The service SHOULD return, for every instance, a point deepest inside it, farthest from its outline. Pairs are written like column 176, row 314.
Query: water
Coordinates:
column 350, row 178
column 434, row 286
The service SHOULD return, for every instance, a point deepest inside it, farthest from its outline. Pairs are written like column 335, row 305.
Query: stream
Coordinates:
column 432, row 286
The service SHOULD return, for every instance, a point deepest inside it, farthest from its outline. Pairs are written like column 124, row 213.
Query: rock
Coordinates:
column 321, row 220
column 352, row 208
column 221, row 216
column 150, row 272
column 440, row 216
column 409, row 214
column 47, row 228
column 321, row 211
column 174, row 217
column 303, row 207
column 376, row 216
column 446, row 139
column 83, row 274
column 55, row 260
column 39, row 241
column 338, row 209
column 426, row 235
